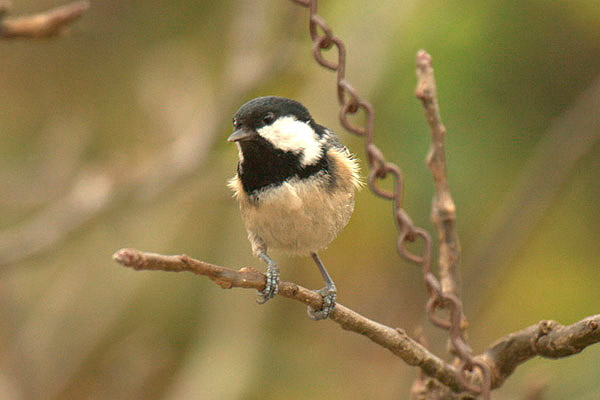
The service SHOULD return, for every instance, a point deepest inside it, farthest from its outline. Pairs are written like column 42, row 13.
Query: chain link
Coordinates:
column 350, row 103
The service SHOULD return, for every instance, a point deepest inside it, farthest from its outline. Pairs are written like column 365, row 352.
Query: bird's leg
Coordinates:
column 272, row 284
column 328, row 293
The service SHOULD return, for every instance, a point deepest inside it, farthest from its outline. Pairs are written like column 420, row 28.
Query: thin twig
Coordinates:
column 395, row 340
column 443, row 210
column 43, row 25
column 547, row 339
column 443, row 214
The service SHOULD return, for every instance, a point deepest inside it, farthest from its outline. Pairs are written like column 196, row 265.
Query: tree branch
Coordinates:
column 43, row 25
column 395, row 340
column 443, row 215
column 443, row 210
column 547, row 339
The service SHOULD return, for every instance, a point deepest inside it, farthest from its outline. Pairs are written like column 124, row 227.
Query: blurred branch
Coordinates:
column 43, row 25
column 100, row 188
column 536, row 390
column 141, row 180
column 547, row 339
column 395, row 340
column 570, row 137
column 91, row 193
column 28, row 186
column 115, row 185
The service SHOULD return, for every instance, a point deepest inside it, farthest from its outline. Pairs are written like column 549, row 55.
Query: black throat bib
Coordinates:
column 265, row 165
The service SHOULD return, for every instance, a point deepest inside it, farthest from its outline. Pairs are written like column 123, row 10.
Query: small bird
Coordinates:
column 295, row 185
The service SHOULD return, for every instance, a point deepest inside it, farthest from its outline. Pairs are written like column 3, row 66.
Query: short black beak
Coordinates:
column 241, row 134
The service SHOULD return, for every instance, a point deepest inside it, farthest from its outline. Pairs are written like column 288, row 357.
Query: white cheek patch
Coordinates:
column 240, row 153
column 289, row 134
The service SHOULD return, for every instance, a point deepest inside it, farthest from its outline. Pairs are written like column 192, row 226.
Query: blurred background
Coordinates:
column 114, row 136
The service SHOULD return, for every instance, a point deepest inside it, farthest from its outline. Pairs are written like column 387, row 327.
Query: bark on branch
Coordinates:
column 43, row 25
column 547, row 339
column 443, row 209
column 395, row 340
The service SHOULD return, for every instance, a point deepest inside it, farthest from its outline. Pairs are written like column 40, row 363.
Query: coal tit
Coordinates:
column 295, row 185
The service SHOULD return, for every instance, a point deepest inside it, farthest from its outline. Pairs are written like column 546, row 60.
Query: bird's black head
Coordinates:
column 277, row 140
column 262, row 111
column 284, row 123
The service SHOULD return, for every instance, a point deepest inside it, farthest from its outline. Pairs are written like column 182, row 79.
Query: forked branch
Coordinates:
column 546, row 339
column 395, row 340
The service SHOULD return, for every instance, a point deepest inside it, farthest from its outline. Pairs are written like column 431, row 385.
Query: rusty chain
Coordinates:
column 379, row 168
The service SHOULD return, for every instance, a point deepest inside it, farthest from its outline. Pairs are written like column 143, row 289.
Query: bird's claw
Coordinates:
column 271, row 286
column 329, row 295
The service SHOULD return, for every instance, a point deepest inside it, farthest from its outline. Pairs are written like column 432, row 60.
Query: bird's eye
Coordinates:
column 236, row 124
column 268, row 118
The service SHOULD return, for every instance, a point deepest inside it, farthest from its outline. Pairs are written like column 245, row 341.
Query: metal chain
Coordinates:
column 379, row 169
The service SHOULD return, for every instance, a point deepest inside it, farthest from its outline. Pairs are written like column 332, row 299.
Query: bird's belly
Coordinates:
column 297, row 217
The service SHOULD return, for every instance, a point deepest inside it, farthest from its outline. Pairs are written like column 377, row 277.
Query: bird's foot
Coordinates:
column 329, row 296
column 271, row 286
